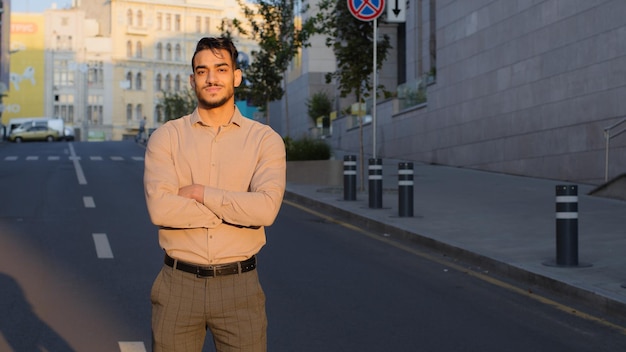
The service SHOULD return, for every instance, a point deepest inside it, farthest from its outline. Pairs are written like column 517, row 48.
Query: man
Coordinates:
column 213, row 179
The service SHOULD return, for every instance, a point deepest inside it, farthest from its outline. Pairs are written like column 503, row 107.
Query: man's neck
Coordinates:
column 217, row 117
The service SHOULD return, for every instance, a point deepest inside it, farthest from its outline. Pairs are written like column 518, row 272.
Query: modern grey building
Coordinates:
column 524, row 87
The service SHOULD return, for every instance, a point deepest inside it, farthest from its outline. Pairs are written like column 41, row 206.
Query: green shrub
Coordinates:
column 306, row 149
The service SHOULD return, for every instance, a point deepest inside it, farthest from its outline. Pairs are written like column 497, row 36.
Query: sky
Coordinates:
column 37, row 5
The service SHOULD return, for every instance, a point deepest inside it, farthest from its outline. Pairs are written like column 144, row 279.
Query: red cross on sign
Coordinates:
column 366, row 10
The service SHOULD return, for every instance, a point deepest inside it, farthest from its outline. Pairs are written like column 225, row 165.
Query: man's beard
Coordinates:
column 204, row 103
column 212, row 104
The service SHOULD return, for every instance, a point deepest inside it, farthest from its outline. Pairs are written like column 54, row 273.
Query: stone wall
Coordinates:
column 522, row 87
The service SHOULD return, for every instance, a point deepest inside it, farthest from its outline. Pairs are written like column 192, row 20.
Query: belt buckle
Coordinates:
column 210, row 272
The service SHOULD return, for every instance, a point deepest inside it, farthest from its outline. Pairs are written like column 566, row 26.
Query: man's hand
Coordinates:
column 194, row 191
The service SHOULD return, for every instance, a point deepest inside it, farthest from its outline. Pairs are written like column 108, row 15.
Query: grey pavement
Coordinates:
column 504, row 223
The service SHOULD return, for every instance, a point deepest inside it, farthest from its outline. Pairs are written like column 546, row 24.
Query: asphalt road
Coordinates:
column 78, row 256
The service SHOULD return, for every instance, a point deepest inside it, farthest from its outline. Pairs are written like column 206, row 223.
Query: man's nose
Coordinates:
column 210, row 76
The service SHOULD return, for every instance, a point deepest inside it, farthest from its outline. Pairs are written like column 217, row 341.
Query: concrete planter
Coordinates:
column 315, row 172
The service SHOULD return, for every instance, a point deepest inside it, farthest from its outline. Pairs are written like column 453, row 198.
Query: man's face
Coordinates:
column 214, row 78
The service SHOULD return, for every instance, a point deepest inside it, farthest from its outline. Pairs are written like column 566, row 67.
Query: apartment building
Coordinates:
column 103, row 66
column 151, row 47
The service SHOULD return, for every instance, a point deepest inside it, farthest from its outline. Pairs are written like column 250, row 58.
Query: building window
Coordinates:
column 207, row 24
column 168, row 22
column 168, row 52
column 129, row 112
column 129, row 17
column 94, row 111
column 159, row 21
column 177, row 83
column 95, row 74
column 129, row 49
column 159, row 51
column 159, row 82
column 168, row 83
column 177, row 23
column 139, row 18
column 139, row 50
column 129, row 79
column 198, row 24
column 139, row 112
column 64, row 107
column 139, row 82
column 63, row 74
column 178, row 52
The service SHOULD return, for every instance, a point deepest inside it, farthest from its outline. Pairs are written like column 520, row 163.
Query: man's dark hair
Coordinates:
column 216, row 44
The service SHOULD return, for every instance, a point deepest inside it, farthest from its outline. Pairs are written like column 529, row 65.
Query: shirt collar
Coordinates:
column 235, row 119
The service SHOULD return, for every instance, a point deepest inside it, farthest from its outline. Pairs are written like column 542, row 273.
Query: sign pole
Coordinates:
column 374, row 79
column 368, row 10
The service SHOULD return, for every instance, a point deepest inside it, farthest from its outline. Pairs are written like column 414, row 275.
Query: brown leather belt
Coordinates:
column 212, row 270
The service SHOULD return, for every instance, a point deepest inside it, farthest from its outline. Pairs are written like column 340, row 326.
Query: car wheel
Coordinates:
column 18, row 139
column 50, row 139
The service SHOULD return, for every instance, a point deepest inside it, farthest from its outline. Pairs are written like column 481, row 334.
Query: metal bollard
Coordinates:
column 567, row 225
column 349, row 177
column 405, row 189
column 375, row 178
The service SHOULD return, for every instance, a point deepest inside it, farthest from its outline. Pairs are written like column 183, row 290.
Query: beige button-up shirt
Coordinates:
column 242, row 167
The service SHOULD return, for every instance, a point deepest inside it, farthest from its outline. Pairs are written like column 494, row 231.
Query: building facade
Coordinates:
column 152, row 43
column 518, row 87
column 104, row 66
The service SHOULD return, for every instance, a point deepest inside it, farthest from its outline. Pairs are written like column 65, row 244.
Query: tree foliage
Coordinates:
column 352, row 43
column 177, row 104
column 320, row 104
column 273, row 25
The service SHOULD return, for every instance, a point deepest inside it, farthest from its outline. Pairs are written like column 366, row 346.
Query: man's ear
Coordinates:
column 238, row 77
column 192, row 82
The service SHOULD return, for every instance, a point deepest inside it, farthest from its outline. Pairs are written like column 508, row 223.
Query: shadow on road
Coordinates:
column 21, row 327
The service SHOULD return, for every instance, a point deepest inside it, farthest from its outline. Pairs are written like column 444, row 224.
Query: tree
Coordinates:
column 274, row 26
column 177, row 104
column 351, row 41
column 320, row 105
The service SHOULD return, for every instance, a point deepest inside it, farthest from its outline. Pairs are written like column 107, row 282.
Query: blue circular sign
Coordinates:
column 366, row 10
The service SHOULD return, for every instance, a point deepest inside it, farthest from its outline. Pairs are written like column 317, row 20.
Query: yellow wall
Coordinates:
column 26, row 89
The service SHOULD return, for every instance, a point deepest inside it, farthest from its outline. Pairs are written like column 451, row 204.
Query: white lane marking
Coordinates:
column 89, row 203
column 132, row 346
column 72, row 158
column 103, row 249
column 79, row 170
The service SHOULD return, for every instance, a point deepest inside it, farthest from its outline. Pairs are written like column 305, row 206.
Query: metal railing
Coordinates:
column 607, row 137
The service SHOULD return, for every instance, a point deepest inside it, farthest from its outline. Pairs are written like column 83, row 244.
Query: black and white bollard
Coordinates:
column 375, row 178
column 567, row 225
column 349, row 177
column 405, row 189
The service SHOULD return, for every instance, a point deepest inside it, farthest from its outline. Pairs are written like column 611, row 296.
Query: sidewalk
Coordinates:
column 501, row 222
